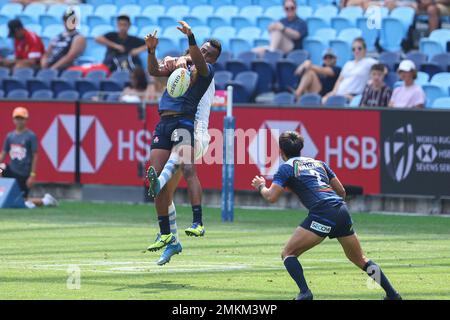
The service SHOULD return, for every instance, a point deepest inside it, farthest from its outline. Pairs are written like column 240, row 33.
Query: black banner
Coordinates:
column 415, row 153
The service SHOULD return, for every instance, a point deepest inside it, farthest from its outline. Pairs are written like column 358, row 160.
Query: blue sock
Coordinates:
column 381, row 279
column 197, row 213
column 164, row 224
column 295, row 269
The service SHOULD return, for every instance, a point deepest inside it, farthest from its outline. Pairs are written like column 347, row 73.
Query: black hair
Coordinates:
column 141, row 79
column 125, row 18
column 378, row 67
column 291, row 143
column 215, row 44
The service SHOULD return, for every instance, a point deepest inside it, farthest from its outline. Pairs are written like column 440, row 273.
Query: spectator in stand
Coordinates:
column 354, row 74
column 123, row 49
column 376, row 93
column 139, row 90
column 318, row 79
column 288, row 33
column 409, row 95
column 67, row 46
column 28, row 47
column 21, row 145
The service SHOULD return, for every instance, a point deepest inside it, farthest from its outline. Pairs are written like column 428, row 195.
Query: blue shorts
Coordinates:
column 173, row 130
column 333, row 222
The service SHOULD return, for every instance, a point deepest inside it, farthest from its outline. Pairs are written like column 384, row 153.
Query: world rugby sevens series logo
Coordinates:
column 399, row 153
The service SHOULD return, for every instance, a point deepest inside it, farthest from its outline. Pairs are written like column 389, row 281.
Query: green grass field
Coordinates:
column 234, row 261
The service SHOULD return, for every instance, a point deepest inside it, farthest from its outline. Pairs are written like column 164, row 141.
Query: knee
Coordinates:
column 433, row 10
column 289, row 253
column 189, row 171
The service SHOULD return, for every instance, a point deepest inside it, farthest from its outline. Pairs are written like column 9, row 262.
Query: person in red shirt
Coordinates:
column 28, row 47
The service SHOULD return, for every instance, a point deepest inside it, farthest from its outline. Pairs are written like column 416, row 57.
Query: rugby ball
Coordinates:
column 178, row 82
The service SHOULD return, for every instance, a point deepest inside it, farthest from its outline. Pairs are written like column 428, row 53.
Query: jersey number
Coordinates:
column 319, row 178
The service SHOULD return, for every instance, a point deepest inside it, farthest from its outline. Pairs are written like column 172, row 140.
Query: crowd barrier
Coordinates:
column 382, row 151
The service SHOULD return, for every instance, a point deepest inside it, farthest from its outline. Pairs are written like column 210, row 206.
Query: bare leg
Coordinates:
column 158, row 158
column 278, row 41
column 309, row 83
column 433, row 17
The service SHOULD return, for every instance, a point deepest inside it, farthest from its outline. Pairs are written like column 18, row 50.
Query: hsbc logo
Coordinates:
column 59, row 144
column 427, row 153
column 261, row 148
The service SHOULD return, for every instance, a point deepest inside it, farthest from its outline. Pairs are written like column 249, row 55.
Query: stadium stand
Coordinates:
column 241, row 26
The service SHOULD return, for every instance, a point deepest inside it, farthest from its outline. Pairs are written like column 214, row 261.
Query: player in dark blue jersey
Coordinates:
column 176, row 128
column 323, row 195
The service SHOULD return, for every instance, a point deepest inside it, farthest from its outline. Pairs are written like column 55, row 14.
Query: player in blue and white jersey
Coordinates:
column 177, row 119
column 321, row 192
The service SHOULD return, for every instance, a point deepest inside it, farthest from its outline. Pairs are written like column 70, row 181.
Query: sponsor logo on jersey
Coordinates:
column 320, row 227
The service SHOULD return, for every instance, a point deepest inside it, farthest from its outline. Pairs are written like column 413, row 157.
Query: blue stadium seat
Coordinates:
column 242, row 22
column 442, row 79
column 315, row 48
column 143, row 21
column 52, row 30
column 4, row 72
column 178, row 12
column 193, row 21
column 196, row 3
column 267, row 3
column 297, row 56
column 431, row 68
column 91, row 96
column 109, row 85
column 106, row 10
column 132, row 10
column 166, row 21
column 391, row 78
column 60, row 85
column 2, row 94
column 422, row 78
column 84, row 10
column 121, row 3
column 86, row 85
column 417, row 57
column 274, row 12
column 343, row 51
column 215, row 22
column 442, row 59
column 239, row 45
column 304, row 12
column 174, row 34
column 145, row 3
column 442, row 36
column 272, row 57
column 341, row 23
column 325, row 35
column 315, row 23
column 224, row 34
column 218, row 3
column 226, row 13
column 68, row 95
column 405, row 15
column 36, row 28
column 433, row 92
column 430, row 47
column 101, row 30
column 120, row 76
column 370, row 35
column 11, row 9
column 441, row 103
column 71, row 75
column 23, row 73
column 336, row 101
column 249, row 33
column 94, row 21
column 47, row 20
column 266, row 75
column 171, row 3
column 246, row 57
column 349, row 35
column 35, row 84
column 236, row 67
column 149, row 30
column 286, row 75
column 351, row 13
column 355, row 101
column 390, row 59
column 244, row 86
column 243, row 3
column 221, row 78
column 310, row 100
column 326, row 13
column 43, row 94
column 11, row 84
column 113, row 96
column 263, row 23
column 224, row 57
column 165, row 45
column 284, row 98
column 19, row 94
column 154, row 11
column 252, row 12
column 96, row 75
column 202, row 12
column 201, row 33
column 57, row 10
column 391, row 41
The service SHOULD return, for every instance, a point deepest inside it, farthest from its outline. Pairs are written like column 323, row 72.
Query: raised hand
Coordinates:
column 185, row 28
column 151, row 40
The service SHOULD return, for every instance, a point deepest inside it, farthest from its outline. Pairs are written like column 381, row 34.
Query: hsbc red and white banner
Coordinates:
column 54, row 125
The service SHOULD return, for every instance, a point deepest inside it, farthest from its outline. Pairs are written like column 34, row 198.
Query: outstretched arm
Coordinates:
column 154, row 68
column 194, row 51
column 271, row 194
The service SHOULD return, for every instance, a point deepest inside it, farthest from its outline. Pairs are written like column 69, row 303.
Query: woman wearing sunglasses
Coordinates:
column 354, row 74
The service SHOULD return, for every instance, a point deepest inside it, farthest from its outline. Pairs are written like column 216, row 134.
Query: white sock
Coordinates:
column 46, row 201
column 169, row 170
column 30, row 205
column 173, row 221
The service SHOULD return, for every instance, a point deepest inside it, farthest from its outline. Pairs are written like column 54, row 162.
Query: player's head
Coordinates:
column 291, row 144
column 123, row 24
column 377, row 73
column 359, row 48
column 290, row 8
column 211, row 50
column 16, row 29
column 20, row 116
